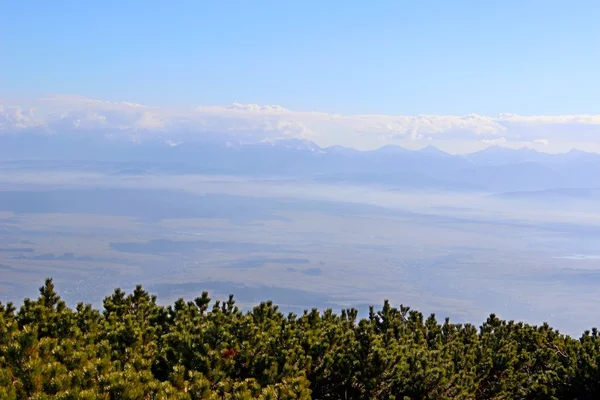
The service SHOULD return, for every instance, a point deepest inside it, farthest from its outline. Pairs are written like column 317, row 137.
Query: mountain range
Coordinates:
column 494, row 169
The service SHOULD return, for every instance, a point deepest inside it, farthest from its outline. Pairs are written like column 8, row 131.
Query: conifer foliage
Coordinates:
column 137, row 349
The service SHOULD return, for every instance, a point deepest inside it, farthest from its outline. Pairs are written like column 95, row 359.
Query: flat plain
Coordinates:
column 299, row 243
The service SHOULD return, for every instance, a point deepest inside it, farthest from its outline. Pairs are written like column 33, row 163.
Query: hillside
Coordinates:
column 200, row 349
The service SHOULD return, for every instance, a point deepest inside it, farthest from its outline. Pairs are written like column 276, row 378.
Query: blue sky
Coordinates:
column 387, row 57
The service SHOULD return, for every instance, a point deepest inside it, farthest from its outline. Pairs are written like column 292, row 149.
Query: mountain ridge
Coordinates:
column 495, row 169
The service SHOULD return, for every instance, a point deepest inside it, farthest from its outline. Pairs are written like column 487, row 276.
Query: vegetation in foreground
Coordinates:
column 136, row 349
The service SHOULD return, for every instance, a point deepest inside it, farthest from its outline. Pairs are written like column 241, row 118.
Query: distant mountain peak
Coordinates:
column 578, row 152
column 495, row 149
column 431, row 149
column 337, row 149
column 297, row 144
column 501, row 150
column 391, row 149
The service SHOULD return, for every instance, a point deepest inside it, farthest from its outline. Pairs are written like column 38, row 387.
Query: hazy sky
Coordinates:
column 395, row 58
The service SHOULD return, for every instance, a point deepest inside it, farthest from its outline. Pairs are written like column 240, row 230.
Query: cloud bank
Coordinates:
column 456, row 134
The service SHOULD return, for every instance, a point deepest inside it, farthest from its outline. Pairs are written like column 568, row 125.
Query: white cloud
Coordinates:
column 149, row 121
column 70, row 113
column 494, row 142
column 16, row 118
column 256, row 108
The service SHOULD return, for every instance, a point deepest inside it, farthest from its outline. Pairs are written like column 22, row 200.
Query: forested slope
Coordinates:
column 136, row 349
